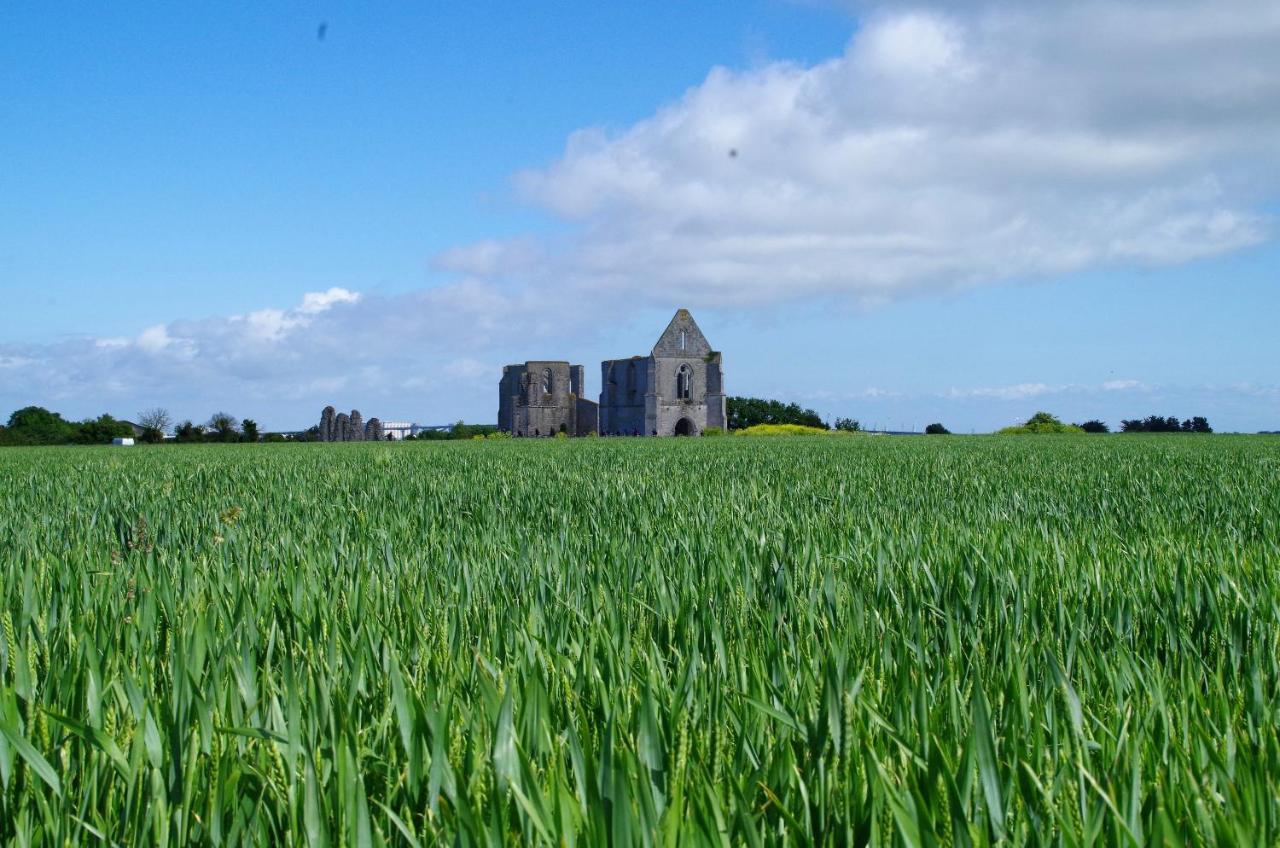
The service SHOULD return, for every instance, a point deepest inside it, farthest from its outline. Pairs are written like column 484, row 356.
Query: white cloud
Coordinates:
column 152, row 340
column 269, row 325
column 1015, row 392
column 316, row 302
column 913, row 44
column 949, row 146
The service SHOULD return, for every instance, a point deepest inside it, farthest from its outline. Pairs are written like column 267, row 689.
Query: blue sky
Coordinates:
column 902, row 213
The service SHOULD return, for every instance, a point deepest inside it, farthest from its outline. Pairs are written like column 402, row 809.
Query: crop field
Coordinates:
column 809, row 641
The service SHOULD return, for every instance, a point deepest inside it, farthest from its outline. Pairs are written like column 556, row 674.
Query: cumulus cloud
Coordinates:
column 950, row 146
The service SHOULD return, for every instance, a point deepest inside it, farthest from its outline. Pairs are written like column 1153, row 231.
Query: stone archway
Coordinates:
column 685, row 427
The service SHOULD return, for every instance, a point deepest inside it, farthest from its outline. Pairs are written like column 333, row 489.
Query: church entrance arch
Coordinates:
column 684, row 427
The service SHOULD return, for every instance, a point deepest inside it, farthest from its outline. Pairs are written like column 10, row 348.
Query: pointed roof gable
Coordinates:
column 682, row 338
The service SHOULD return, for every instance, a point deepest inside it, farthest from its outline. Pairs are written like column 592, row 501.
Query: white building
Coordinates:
column 397, row 430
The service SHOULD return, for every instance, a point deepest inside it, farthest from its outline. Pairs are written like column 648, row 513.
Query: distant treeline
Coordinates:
column 34, row 425
column 1156, row 424
column 1152, row 424
column 458, row 431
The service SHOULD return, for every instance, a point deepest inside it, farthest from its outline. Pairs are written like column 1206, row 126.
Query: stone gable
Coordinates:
column 678, row 389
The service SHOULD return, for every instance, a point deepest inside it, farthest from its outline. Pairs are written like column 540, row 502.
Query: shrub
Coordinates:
column 713, row 431
column 782, row 430
column 936, row 429
column 461, row 430
column 1039, row 424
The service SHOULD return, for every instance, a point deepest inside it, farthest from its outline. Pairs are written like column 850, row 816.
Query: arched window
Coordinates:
column 546, row 382
column 684, row 380
column 684, row 340
column 631, row 377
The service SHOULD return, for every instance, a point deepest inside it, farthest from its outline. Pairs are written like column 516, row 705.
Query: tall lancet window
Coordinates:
column 684, row 378
column 546, row 382
column 684, row 340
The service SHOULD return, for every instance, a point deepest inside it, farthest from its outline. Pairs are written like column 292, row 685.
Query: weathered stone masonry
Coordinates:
column 348, row 428
column 544, row 397
column 678, row 389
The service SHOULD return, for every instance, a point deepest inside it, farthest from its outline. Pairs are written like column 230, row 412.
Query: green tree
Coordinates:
column 937, row 430
column 223, row 427
column 1094, row 426
column 748, row 412
column 1166, row 424
column 101, row 430
column 249, row 430
column 851, row 425
column 188, row 432
column 35, row 425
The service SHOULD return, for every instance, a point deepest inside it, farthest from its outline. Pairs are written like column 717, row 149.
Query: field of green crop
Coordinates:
column 942, row 641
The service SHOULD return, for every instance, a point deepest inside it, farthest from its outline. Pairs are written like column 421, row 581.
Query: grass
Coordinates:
column 1054, row 641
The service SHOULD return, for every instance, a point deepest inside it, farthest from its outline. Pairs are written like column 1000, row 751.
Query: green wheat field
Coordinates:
column 810, row 641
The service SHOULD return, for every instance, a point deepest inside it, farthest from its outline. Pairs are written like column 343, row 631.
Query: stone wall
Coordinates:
column 347, row 428
column 705, row 405
column 625, row 385
column 588, row 415
column 527, row 408
column 638, row 395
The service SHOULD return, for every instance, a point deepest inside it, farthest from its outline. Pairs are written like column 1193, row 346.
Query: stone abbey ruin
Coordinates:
column 677, row 390
column 348, row 428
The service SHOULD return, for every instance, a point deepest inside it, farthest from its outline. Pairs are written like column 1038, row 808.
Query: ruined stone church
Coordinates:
column 677, row 390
